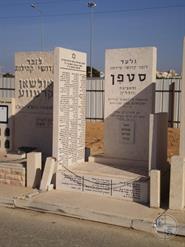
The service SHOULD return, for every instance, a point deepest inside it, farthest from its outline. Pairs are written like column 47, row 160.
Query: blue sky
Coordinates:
column 117, row 24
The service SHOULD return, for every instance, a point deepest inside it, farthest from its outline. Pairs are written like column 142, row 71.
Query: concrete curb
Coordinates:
column 75, row 212
column 6, row 202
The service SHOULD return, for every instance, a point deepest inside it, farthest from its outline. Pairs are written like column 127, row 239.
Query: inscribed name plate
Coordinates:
column 129, row 100
column 69, row 106
column 34, row 73
column 68, row 181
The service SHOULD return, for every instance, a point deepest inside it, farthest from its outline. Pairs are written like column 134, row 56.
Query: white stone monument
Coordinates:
column 129, row 101
column 177, row 176
column 69, row 106
column 34, row 74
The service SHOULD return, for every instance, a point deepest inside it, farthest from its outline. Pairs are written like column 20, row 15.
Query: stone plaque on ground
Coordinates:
column 34, row 100
column 128, row 189
column 69, row 106
column 129, row 99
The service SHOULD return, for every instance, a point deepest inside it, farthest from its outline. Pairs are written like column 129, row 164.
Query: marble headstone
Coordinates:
column 129, row 100
column 69, row 106
column 34, row 74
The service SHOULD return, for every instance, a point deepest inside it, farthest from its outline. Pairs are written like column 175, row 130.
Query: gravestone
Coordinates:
column 69, row 106
column 129, row 100
column 34, row 72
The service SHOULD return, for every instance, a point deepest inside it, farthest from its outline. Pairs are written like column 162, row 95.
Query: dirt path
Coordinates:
column 94, row 138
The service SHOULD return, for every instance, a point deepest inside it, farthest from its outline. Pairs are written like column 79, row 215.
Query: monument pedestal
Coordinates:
column 119, row 162
column 122, row 182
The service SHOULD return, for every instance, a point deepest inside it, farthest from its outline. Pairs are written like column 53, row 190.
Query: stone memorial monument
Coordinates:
column 129, row 101
column 69, row 106
column 122, row 171
column 34, row 74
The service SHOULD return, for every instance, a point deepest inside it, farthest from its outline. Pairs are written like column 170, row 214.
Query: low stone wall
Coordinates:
column 12, row 173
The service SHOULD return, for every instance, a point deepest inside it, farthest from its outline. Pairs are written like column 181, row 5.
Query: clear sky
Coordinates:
column 117, row 24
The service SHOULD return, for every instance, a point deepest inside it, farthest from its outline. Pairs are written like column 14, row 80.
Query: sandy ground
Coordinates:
column 94, row 138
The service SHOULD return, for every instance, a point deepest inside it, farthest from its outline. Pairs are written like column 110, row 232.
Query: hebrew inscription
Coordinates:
column 69, row 106
column 129, row 100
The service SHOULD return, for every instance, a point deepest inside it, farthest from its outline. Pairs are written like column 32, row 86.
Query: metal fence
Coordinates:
column 167, row 97
column 7, row 87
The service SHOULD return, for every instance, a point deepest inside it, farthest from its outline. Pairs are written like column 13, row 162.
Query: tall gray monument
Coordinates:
column 69, row 106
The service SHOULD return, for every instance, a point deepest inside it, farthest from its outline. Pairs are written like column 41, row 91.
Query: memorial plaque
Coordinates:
column 69, row 181
column 130, row 190
column 127, row 132
column 69, row 106
column 34, row 72
column 97, row 185
column 129, row 100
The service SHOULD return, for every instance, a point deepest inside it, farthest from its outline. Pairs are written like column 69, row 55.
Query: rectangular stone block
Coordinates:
column 125, row 188
column 69, row 106
column 155, row 188
column 129, row 101
column 49, row 170
column 34, row 167
column 177, row 183
column 34, row 72
column 158, row 141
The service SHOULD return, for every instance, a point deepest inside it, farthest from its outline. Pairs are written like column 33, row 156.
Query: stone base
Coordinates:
column 12, row 173
column 122, row 183
column 11, row 156
column 116, row 162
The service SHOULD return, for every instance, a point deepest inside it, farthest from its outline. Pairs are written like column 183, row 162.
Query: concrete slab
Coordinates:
column 177, row 183
column 112, row 181
column 48, row 173
column 34, row 167
column 92, row 207
column 155, row 188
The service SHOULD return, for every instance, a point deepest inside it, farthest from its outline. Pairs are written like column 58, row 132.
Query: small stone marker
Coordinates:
column 69, row 106
column 158, row 141
column 34, row 167
column 155, row 188
column 48, row 173
column 129, row 100
column 177, row 183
